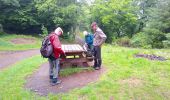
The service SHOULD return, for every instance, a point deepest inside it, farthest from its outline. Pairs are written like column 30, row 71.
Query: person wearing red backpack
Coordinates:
column 54, row 59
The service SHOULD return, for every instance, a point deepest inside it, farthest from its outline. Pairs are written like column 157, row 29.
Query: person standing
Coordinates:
column 54, row 59
column 99, row 39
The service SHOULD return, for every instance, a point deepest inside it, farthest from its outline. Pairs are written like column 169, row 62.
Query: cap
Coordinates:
column 58, row 29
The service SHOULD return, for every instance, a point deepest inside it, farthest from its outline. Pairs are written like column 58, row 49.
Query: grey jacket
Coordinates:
column 99, row 37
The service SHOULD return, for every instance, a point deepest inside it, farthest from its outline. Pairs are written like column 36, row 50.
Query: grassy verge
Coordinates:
column 127, row 78
column 12, row 79
column 6, row 44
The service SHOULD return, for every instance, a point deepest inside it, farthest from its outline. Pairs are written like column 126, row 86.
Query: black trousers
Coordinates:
column 97, row 56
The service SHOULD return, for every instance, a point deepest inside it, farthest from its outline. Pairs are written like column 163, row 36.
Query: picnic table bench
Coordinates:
column 75, row 54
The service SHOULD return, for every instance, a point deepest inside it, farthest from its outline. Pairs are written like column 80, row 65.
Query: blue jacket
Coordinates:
column 89, row 39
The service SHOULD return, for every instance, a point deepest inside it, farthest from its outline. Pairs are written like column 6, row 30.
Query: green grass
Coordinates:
column 12, row 79
column 153, row 78
column 6, row 44
column 69, row 71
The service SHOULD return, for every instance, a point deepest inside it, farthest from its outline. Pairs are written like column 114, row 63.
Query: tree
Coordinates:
column 18, row 15
column 158, row 24
column 116, row 17
column 143, row 11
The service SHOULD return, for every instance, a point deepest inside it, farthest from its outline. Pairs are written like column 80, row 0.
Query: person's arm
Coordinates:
column 56, row 44
column 103, row 37
column 60, row 50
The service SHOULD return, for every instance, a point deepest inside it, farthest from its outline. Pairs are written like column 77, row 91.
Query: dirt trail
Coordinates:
column 39, row 81
column 8, row 58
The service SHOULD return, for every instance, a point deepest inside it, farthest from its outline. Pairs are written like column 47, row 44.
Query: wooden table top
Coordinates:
column 72, row 48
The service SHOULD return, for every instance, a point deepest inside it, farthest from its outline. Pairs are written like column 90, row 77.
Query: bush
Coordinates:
column 44, row 30
column 124, row 41
column 141, row 40
column 166, row 43
column 154, row 37
column 1, row 28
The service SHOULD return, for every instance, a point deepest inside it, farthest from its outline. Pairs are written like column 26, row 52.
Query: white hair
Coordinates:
column 58, row 29
column 85, row 33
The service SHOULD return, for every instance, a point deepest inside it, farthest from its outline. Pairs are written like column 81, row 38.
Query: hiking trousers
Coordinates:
column 97, row 56
column 54, row 67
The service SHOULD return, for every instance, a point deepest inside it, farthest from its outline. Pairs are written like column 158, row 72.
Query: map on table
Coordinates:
column 72, row 48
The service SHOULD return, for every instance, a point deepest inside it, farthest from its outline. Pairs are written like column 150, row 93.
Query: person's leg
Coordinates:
column 98, row 57
column 56, row 68
column 50, row 69
column 91, row 50
column 95, row 57
column 56, row 72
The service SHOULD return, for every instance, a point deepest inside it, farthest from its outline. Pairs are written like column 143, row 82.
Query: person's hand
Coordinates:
column 100, row 45
column 64, row 54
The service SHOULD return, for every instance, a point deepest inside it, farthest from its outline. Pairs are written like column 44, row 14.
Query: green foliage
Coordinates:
column 63, row 13
column 141, row 40
column 143, row 11
column 166, row 43
column 1, row 28
column 158, row 24
column 124, row 41
column 44, row 31
column 27, row 16
column 155, row 36
column 116, row 18
column 18, row 15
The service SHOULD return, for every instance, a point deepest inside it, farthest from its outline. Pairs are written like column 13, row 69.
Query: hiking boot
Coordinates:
column 51, row 78
column 55, row 82
column 94, row 67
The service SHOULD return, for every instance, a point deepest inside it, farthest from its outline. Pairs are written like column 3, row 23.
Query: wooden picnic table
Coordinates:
column 71, row 49
column 74, row 54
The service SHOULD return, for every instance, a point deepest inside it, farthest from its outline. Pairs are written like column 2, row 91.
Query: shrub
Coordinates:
column 155, row 37
column 124, row 41
column 166, row 43
column 1, row 28
column 44, row 30
column 141, row 40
